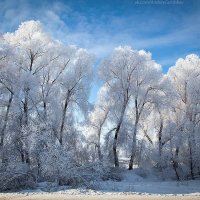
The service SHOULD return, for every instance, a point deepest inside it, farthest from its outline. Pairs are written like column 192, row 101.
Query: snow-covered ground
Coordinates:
column 152, row 185
column 132, row 184
column 55, row 196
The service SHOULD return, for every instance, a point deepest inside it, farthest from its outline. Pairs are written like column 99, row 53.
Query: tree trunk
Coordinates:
column 63, row 117
column 45, row 110
column 99, row 153
column 192, row 150
column 25, row 157
column 175, row 163
column 25, row 105
column 160, row 145
column 38, row 169
column 6, row 120
column 116, row 160
column 133, row 150
column 99, row 146
column 22, row 157
column 191, row 162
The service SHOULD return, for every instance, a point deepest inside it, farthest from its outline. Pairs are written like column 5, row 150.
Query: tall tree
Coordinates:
column 133, row 79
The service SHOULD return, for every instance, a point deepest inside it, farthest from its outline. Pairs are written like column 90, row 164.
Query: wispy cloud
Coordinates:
column 167, row 33
column 100, row 34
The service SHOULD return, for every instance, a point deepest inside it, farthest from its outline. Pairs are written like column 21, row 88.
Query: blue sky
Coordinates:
column 169, row 29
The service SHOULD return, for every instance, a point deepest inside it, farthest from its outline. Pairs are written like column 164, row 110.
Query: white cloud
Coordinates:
column 98, row 35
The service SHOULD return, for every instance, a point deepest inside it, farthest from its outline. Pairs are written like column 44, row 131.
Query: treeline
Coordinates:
column 50, row 132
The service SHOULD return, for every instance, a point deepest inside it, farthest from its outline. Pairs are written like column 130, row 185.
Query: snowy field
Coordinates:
column 132, row 186
column 56, row 196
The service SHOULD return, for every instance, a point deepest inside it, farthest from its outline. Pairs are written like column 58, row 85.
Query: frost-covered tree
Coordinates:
column 50, row 132
column 45, row 86
column 133, row 79
column 98, row 121
column 75, row 85
column 185, row 77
